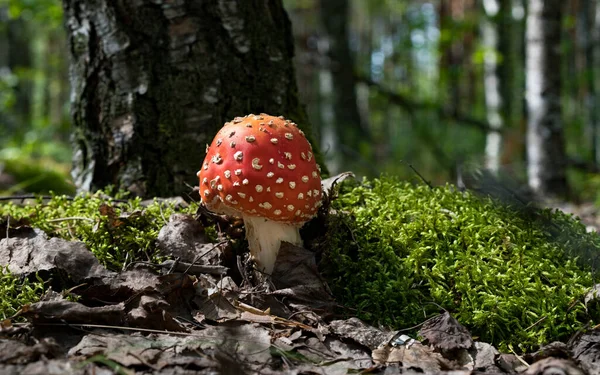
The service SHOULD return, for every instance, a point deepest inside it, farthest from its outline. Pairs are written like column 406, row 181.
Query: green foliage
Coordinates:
column 396, row 252
column 17, row 292
column 36, row 175
column 117, row 231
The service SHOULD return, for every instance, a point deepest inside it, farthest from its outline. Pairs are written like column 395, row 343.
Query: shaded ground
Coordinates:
column 194, row 315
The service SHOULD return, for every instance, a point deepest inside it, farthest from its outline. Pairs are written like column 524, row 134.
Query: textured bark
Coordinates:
column 346, row 119
column 153, row 80
column 546, row 164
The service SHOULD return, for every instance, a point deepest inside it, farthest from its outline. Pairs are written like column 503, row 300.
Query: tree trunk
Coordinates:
column 153, row 80
column 347, row 124
column 546, row 164
column 502, row 72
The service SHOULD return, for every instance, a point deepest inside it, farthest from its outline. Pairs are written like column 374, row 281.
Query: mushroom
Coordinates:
column 261, row 168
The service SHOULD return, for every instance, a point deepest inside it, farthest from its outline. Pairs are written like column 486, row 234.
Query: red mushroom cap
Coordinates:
column 261, row 165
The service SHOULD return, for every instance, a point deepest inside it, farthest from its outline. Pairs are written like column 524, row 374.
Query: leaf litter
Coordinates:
column 196, row 314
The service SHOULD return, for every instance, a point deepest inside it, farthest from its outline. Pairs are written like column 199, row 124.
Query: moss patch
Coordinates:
column 16, row 292
column 397, row 252
column 116, row 230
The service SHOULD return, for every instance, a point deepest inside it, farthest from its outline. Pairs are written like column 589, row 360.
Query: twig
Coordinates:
column 70, row 218
column 418, row 174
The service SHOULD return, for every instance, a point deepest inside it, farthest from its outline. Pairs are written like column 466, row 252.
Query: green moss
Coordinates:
column 17, row 292
column 397, row 252
column 117, row 231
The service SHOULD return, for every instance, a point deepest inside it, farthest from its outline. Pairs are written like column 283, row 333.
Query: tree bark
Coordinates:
column 546, row 151
column 153, row 80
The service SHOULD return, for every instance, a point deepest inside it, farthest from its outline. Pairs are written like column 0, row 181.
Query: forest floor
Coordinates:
column 207, row 312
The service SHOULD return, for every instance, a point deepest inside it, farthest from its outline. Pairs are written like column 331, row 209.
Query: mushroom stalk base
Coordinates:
column 264, row 239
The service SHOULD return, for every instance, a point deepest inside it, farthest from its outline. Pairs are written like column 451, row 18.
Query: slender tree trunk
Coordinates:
column 491, row 79
column 153, row 80
column 545, row 136
column 502, row 71
column 347, row 122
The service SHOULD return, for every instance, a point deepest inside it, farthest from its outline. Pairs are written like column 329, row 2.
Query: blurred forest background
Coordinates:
column 435, row 84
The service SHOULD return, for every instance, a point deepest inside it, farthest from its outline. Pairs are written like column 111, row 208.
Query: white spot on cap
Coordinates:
column 279, row 194
column 231, row 134
column 220, row 187
column 289, row 136
column 205, row 181
column 265, row 205
column 205, row 166
column 303, row 155
column 242, row 195
column 232, row 144
column 250, row 138
column 271, row 161
column 255, row 164
column 227, row 173
column 292, row 185
column 310, row 155
column 304, row 178
column 238, row 156
column 291, row 166
column 250, row 199
column 280, row 165
column 279, row 180
column 219, row 141
column 259, row 188
column 228, row 198
column 274, row 141
column 245, row 181
column 314, row 174
column 238, row 172
column 290, row 207
column 206, row 193
column 300, row 196
column 277, row 212
column 270, row 174
column 236, row 183
column 288, row 155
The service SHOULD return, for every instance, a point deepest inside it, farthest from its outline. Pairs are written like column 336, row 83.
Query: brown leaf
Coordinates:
column 33, row 252
column 446, row 333
column 415, row 356
column 15, row 352
column 362, row 333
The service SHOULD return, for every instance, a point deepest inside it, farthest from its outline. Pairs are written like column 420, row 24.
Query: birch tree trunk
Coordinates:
column 501, row 33
column 153, row 80
column 546, row 164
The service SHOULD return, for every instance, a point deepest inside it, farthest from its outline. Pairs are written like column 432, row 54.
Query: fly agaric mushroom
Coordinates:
column 261, row 168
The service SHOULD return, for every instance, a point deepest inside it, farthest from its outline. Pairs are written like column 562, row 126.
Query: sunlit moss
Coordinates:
column 116, row 230
column 16, row 292
column 397, row 253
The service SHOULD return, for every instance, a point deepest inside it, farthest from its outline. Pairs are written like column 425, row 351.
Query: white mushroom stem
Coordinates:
column 264, row 239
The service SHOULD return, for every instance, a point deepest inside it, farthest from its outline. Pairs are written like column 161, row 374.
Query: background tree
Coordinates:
column 546, row 158
column 152, row 82
column 420, row 84
column 350, row 130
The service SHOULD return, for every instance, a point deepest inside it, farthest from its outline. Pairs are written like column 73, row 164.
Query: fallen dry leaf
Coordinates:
column 360, row 332
column 32, row 251
column 445, row 333
column 411, row 357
